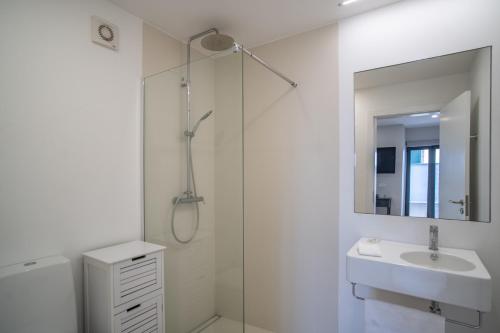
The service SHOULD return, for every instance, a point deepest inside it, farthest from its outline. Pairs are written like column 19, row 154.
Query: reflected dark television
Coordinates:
column 386, row 160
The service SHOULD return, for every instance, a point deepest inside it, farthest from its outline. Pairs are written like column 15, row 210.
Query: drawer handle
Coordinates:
column 133, row 307
column 139, row 257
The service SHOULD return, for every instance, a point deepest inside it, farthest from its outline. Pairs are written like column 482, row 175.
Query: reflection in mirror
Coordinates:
column 422, row 138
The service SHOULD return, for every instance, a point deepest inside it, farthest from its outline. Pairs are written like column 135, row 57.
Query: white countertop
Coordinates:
column 391, row 253
column 470, row 289
column 121, row 252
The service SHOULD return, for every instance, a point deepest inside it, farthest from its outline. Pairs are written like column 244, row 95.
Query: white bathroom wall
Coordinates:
column 159, row 51
column 371, row 40
column 291, row 186
column 424, row 135
column 70, row 131
column 390, row 185
column 162, row 52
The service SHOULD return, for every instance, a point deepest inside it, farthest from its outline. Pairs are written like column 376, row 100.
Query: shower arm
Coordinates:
column 263, row 63
column 191, row 39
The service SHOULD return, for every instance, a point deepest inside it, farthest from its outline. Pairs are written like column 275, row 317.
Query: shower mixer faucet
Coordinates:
column 188, row 198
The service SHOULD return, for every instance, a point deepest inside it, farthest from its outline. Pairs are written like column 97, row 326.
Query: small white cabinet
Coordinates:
column 124, row 289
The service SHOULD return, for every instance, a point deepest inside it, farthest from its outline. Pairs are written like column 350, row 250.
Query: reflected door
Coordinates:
column 454, row 138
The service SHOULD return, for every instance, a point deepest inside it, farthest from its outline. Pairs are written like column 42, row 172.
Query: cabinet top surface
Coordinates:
column 121, row 252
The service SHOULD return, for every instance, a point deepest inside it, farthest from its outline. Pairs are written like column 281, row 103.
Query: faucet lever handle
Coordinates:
column 433, row 237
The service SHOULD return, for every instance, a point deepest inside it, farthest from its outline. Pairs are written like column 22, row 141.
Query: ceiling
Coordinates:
column 418, row 70
column 411, row 121
column 250, row 22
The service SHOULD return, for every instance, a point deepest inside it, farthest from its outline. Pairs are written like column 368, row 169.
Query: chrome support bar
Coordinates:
column 263, row 63
column 434, row 308
column 479, row 321
column 354, row 292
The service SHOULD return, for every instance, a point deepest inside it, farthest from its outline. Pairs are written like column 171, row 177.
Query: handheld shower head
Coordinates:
column 205, row 116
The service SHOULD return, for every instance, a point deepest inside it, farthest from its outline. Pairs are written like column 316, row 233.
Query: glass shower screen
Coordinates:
column 204, row 275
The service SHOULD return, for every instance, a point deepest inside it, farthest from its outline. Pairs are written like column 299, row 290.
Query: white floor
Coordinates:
column 224, row 325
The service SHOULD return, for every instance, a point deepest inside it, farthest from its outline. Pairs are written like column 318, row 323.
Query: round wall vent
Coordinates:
column 104, row 33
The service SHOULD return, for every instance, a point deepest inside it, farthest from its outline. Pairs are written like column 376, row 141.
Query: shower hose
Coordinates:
column 178, row 201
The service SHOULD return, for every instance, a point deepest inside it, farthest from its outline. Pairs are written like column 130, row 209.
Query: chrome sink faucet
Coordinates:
column 433, row 241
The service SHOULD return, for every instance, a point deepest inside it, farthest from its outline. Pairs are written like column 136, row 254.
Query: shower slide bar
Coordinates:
column 434, row 308
column 263, row 63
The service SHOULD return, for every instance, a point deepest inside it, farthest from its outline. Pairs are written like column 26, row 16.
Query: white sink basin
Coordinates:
column 457, row 277
column 442, row 261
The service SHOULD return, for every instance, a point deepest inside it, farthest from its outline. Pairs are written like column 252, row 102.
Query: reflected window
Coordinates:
column 422, row 182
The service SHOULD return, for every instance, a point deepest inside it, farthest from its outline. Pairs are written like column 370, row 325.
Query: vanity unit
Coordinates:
column 453, row 276
column 124, row 288
column 423, row 150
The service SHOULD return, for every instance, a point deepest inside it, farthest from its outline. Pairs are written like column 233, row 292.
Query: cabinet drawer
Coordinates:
column 145, row 317
column 136, row 277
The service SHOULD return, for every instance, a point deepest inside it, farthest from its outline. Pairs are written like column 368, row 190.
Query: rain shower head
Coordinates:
column 217, row 42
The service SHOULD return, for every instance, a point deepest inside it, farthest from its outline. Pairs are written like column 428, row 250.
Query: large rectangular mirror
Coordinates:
column 422, row 138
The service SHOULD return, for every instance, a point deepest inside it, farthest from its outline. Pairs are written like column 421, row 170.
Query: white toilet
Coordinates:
column 38, row 297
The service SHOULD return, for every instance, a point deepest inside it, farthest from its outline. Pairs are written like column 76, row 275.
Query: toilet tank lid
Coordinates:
column 6, row 271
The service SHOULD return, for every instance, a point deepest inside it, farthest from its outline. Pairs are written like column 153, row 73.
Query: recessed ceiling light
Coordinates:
column 346, row 2
column 420, row 114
